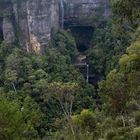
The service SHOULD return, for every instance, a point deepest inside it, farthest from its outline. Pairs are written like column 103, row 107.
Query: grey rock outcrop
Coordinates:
column 36, row 19
column 32, row 22
column 8, row 31
column 84, row 12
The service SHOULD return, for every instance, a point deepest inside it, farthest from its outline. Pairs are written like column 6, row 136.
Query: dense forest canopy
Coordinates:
column 46, row 97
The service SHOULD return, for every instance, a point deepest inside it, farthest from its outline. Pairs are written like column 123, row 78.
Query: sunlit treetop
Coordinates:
column 127, row 10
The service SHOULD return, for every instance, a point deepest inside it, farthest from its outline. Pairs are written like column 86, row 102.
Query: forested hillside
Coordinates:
column 46, row 96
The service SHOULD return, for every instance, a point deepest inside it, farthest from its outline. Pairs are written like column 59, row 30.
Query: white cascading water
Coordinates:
column 62, row 13
column 87, row 75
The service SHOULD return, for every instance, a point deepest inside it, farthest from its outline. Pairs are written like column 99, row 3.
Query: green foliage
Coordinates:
column 60, row 68
column 127, row 10
column 125, row 81
column 28, row 80
column 97, row 60
column 46, row 97
column 110, row 135
column 137, row 117
column 137, row 131
column 106, row 49
column 85, row 121
column 18, row 122
column 65, row 44
column 11, row 120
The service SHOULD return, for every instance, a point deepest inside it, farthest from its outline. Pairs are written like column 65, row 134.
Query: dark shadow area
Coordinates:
column 83, row 36
column 82, row 48
column 1, row 31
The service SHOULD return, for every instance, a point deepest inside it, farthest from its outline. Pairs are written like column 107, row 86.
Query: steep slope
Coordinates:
column 31, row 23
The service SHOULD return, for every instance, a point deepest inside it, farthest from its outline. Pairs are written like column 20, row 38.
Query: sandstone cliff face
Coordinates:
column 32, row 22
column 83, row 12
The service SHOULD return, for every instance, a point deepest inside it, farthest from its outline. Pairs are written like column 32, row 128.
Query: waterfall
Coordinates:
column 62, row 13
column 87, row 75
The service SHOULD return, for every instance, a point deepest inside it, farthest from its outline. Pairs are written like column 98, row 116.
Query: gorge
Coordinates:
column 69, row 69
column 33, row 23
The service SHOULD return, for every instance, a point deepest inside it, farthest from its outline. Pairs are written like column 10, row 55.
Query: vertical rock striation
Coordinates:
column 32, row 22
column 37, row 19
